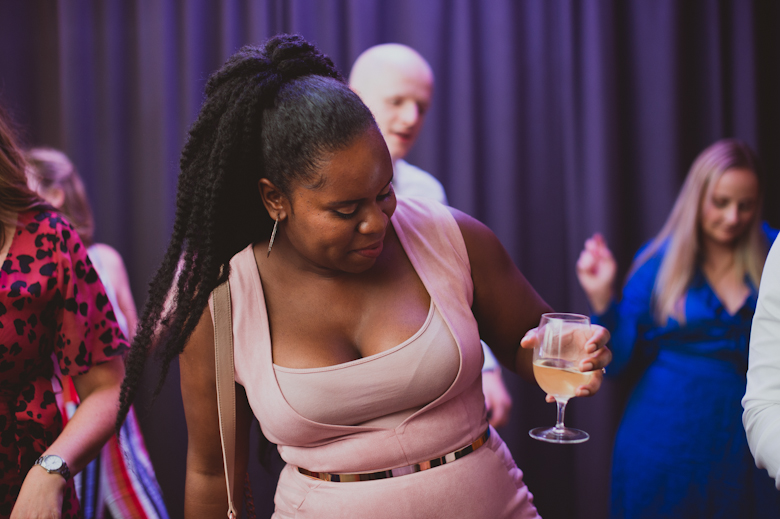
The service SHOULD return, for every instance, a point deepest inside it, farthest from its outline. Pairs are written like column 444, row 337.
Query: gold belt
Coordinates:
column 400, row 471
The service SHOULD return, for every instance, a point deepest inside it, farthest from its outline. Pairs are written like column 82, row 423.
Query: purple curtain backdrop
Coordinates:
column 551, row 120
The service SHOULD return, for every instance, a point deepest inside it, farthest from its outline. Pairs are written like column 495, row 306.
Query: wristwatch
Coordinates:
column 53, row 464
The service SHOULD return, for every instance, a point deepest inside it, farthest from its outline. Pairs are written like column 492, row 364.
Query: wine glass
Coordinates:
column 556, row 368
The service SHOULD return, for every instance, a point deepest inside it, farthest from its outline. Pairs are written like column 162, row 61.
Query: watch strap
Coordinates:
column 63, row 470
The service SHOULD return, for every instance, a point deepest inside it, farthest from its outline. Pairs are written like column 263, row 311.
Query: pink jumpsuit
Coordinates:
column 483, row 484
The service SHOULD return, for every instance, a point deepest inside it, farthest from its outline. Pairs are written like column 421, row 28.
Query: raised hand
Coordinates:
column 596, row 269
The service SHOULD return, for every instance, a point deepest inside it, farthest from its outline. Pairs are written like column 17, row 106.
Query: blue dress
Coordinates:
column 681, row 450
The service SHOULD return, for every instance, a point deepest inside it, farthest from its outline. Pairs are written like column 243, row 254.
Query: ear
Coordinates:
column 56, row 197
column 275, row 202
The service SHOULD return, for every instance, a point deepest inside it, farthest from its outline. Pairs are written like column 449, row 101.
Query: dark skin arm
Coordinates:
column 205, row 492
column 508, row 309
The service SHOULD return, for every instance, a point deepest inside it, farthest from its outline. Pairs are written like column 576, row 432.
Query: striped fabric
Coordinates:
column 119, row 483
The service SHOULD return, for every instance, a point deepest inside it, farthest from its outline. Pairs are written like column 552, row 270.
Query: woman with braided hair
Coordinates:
column 285, row 191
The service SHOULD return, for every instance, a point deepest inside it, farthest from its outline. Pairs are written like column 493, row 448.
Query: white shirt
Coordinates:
column 762, row 398
column 410, row 180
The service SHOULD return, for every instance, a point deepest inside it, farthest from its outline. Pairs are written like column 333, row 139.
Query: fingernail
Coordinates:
column 588, row 366
column 584, row 392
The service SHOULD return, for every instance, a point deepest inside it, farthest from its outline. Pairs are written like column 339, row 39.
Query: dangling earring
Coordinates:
column 273, row 235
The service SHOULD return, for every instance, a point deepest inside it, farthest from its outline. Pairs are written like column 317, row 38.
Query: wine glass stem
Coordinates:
column 561, row 410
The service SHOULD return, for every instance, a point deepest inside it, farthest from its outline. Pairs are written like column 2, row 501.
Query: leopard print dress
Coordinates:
column 53, row 309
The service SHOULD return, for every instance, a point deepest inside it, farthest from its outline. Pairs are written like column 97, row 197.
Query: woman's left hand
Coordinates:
column 40, row 497
column 599, row 356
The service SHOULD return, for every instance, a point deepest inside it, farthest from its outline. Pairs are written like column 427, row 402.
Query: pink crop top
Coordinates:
column 381, row 390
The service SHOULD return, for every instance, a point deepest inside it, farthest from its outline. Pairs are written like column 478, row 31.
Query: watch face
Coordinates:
column 52, row 463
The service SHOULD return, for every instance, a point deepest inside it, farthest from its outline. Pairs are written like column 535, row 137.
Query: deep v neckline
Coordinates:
column 368, row 358
column 717, row 298
column 417, row 331
column 258, row 284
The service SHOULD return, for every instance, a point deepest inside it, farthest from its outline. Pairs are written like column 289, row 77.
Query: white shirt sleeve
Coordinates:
column 491, row 362
column 410, row 180
column 761, row 417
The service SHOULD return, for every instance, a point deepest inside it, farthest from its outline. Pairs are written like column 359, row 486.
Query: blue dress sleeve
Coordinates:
column 769, row 232
column 628, row 319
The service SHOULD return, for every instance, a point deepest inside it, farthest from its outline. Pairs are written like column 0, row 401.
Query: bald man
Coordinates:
column 396, row 83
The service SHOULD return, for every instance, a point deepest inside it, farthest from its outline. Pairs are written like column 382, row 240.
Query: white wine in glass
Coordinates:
column 556, row 368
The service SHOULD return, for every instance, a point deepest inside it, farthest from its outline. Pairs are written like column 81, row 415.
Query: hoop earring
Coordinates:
column 273, row 235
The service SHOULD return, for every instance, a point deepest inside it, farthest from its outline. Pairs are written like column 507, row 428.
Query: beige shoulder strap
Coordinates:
column 226, row 389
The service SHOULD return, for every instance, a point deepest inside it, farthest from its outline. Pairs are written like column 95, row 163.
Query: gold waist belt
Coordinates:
column 401, row 471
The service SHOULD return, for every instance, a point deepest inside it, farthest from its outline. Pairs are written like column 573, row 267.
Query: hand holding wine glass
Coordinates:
column 567, row 361
column 599, row 356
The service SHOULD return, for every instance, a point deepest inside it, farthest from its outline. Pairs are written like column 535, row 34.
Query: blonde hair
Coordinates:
column 681, row 234
column 52, row 169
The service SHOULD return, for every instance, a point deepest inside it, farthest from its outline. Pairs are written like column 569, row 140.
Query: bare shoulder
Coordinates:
column 109, row 256
column 481, row 243
column 466, row 222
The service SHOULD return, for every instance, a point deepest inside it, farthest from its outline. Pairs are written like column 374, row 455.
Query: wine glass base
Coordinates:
column 553, row 435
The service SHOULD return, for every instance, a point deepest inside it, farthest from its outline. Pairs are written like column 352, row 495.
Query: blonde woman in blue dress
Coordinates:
column 684, row 319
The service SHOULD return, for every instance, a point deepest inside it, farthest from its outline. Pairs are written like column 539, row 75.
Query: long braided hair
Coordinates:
column 274, row 111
